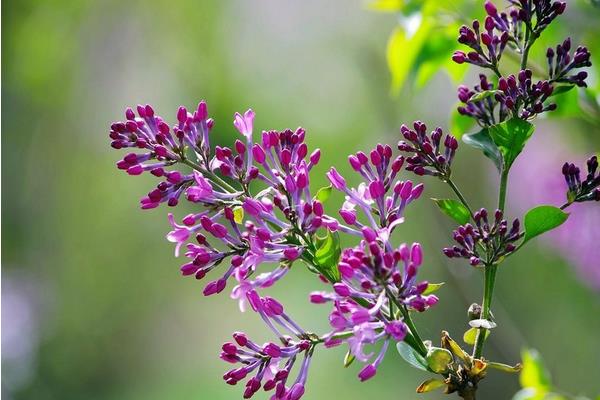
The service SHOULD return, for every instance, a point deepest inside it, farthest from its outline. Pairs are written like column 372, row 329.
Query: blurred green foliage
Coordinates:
column 105, row 314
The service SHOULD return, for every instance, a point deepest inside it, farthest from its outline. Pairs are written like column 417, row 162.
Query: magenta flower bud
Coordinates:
column 318, row 208
column 181, row 114
column 218, row 231
column 406, row 191
column 252, row 207
column 369, row 234
column 286, row 157
column 240, row 338
column 296, row 392
column 342, row 289
column 317, row 298
column 302, row 181
column 397, row 164
column 189, row 269
column 367, row 372
column 272, row 350
column 353, row 160
column 416, row 254
column 315, row 157
column 417, row 191
column 135, row 170
column 240, row 147
column 273, row 306
column 375, row 157
column 459, row 57
column 214, row 287
column 258, row 153
column 349, row 216
column 337, row 181
column 229, row 348
column 490, row 8
column 376, row 189
column 291, row 253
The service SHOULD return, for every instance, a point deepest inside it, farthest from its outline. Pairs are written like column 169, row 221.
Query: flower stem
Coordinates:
column 490, row 274
column 460, row 196
column 488, row 292
column 411, row 325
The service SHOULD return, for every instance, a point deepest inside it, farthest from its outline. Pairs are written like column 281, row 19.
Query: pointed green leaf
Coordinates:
column 411, row 356
column 327, row 255
column 323, row 194
column 562, row 89
column 505, row 367
column 430, row 384
column 432, row 288
column 402, row 52
column 454, row 209
column 482, row 141
column 510, row 137
column 470, row 336
column 542, row 219
column 483, row 95
column 348, row 359
column 534, row 373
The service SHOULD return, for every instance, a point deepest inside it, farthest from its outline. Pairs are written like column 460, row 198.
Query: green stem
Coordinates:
column 503, row 188
column 460, row 196
column 411, row 325
column 488, row 292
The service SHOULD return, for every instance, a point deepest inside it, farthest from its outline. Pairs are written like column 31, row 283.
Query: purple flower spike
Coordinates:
column 495, row 237
column 561, row 64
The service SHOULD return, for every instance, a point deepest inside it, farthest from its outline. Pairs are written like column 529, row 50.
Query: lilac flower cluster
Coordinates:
column 580, row 191
column 559, row 68
column 485, row 242
column 271, row 363
column 429, row 158
column 257, row 208
column 516, row 95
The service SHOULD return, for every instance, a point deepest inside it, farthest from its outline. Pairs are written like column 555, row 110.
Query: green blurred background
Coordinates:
column 93, row 306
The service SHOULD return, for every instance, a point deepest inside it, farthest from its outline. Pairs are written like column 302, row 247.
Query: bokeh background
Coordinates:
column 93, row 306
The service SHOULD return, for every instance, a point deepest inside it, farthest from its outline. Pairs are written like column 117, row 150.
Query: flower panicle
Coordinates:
column 487, row 241
column 582, row 190
column 431, row 155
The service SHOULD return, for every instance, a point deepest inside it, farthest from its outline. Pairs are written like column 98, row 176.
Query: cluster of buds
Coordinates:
column 429, row 157
column 487, row 46
column 483, row 109
column 484, row 242
column 523, row 98
column 381, row 197
column 539, row 13
column 374, row 280
column 162, row 146
column 587, row 190
column 561, row 68
column 270, row 364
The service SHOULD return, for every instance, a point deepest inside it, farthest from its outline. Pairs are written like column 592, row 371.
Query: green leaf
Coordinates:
column 411, row 356
column 470, row 336
column 510, row 137
column 561, row 89
column 432, row 288
column 482, row 141
column 534, row 374
column 542, row 219
column 348, row 359
column 505, row 367
column 327, row 255
column 483, row 95
column 454, row 209
column 430, row 384
column 438, row 359
column 402, row 52
column 323, row 194
column 238, row 215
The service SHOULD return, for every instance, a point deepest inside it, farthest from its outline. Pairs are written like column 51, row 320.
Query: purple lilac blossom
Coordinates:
column 276, row 225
